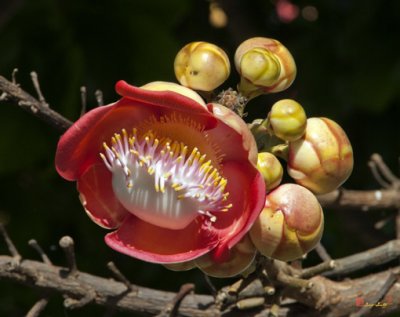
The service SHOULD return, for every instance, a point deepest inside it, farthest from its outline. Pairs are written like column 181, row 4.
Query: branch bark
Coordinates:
column 324, row 298
column 30, row 104
column 364, row 200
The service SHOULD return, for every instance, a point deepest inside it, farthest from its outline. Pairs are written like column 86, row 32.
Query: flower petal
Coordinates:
column 246, row 189
column 242, row 145
column 98, row 198
column 166, row 98
column 80, row 146
column 151, row 243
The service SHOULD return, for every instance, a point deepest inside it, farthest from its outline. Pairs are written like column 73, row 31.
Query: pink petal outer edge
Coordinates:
column 166, row 98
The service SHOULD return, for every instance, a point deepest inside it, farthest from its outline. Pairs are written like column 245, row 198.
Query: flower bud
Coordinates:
column 290, row 225
column 240, row 257
column 288, row 119
column 270, row 168
column 181, row 266
column 265, row 66
column 201, row 66
column 322, row 159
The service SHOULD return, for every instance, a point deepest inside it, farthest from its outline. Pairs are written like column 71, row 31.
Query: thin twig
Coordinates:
column 375, row 173
column 35, row 81
column 211, row 287
column 118, row 275
column 72, row 303
column 381, row 223
column 10, row 245
column 14, row 76
column 366, row 259
column 317, row 269
column 67, row 244
column 99, row 97
column 382, row 292
column 83, row 100
column 398, row 224
column 321, row 251
column 384, row 169
column 36, row 309
column 171, row 309
column 30, row 104
column 34, row 244
column 361, row 200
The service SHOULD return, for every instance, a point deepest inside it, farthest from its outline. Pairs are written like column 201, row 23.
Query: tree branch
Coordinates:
column 22, row 99
column 363, row 200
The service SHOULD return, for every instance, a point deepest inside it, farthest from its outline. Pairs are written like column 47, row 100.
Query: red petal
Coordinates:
column 168, row 99
column 150, row 243
column 232, row 135
column 98, row 198
column 66, row 149
column 246, row 189
column 80, row 146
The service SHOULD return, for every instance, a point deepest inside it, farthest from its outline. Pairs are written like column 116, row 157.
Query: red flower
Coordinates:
column 176, row 178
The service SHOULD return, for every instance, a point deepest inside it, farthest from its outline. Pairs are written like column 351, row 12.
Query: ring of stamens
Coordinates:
column 175, row 170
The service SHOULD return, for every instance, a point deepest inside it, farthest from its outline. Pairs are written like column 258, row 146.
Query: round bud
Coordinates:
column 181, row 266
column 201, row 66
column 322, row 159
column 270, row 168
column 265, row 66
column 288, row 119
column 290, row 225
column 240, row 258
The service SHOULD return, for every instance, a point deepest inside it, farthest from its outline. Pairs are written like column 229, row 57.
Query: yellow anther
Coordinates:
column 179, row 188
column 136, row 153
column 129, row 185
column 205, row 165
column 167, row 175
column 150, row 170
column 105, row 146
column 178, row 159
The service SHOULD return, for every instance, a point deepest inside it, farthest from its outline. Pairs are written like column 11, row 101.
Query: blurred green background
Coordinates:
column 347, row 54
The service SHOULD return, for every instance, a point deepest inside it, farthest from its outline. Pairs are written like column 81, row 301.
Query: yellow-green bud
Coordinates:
column 322, row 159
column 290, row 225
column 265, row 66
column 201, row 66
column 270, row 168
column 288, row 119
column 240, row 258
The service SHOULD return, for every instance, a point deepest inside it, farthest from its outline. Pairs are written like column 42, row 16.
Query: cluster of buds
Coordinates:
column 187, row 184
column 316, row 151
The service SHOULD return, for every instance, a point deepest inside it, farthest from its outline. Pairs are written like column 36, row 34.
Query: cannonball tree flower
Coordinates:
column 174, row 177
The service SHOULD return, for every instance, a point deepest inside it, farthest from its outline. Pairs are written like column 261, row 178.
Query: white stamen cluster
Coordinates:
column 182, row 184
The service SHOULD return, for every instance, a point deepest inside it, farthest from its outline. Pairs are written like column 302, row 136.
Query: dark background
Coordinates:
column 348, row 69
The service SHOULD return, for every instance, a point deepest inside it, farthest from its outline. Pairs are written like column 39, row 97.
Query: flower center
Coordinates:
column 161, row 181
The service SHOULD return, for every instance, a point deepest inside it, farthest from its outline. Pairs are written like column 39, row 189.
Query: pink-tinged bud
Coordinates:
column 240, row 257
column 288, row 119
column 201, row 66
column 322, row 159
column 290, row 225
column 265, row 66
column 271, row 169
